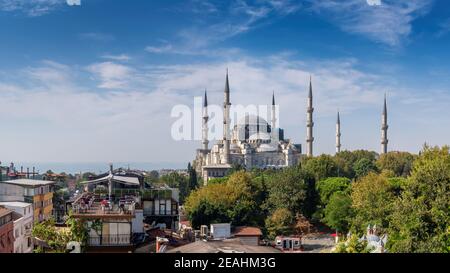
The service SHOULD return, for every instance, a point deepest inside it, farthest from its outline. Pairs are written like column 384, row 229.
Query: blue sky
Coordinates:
column 96, row 81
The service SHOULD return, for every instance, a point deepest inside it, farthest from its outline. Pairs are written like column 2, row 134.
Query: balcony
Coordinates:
column 110, row 240
column 161, row 213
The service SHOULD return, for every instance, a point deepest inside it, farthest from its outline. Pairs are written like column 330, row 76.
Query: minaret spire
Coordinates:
column 226, row 122
column 274, row 119
column 338, row 133
column 384, row 128
column 205, row 140
column 309, row 121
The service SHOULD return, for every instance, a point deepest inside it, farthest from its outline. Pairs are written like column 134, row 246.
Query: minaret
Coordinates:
column 226, row 122
column 338, row 133
column 309, row 122
column 205, row 123
column 384, row 128
column 274, row 119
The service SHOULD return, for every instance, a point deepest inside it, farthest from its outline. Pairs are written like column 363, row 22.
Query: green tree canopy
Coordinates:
column 280, row 222
column 372, row 201
column 364, row 166
column 339, row 212
column 287, row 189
column 232, row 201
column 320, row 167
column 400, row 163
column 421, row 217
column 346, row 160
column 327, row 187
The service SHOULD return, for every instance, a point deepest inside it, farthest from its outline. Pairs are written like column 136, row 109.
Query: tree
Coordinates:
column 421, row 216
column 57, row 239
column 193, row 181
column 331, row 185
column 400, row 163
column 320, row 167
column 372, row 201
column 397, row 185
column 352, row 245
column 233, row 201
column 179, row 181
column 346, row 160
column 287, row 189
column 151, row 178
column 279, row 223
column 338, row 212
column 364, row 166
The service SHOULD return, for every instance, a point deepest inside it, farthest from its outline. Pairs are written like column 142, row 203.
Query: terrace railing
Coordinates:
column 110, row 240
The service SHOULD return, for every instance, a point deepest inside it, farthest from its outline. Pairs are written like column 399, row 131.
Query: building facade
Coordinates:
column 6, row 230
column 23, row 225
column 37, row 192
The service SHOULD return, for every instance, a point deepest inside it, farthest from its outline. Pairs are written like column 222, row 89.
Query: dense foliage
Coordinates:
column 405, row 195
column 56, row 238
column 421, row 218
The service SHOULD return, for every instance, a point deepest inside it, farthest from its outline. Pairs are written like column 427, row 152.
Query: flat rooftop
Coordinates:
column 15, row 204
column 226, row 246
column 29, row 182
column 4, row 211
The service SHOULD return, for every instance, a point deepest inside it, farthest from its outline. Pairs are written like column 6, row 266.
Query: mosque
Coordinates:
column 253, row 142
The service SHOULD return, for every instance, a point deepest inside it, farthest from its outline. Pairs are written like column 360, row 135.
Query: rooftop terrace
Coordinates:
column 91, row 205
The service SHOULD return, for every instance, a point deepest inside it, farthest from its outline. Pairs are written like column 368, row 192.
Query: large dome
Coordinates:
column 252, row 120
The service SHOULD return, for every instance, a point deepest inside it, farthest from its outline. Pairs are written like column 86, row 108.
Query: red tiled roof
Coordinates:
column 247, row 231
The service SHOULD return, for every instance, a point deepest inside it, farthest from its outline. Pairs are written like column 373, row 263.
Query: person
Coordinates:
column 103, row 204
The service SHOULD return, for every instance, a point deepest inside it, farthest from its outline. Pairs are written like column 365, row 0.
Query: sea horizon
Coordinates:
column 95, row 167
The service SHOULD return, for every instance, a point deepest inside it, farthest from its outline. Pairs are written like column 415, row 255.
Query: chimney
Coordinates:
column 28, row 172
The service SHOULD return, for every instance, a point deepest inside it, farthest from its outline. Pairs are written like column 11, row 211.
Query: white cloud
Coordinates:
column 234, row 18
column 165, row 48
column 111, row 75
column 73, row 2
column 373, row 2
column 52, row 115
column 444, row 28
column 30, row 7
column 121, row 57
column 388, row 22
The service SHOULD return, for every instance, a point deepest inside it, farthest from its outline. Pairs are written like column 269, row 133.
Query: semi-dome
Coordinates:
column 267, row 147
column 260, row 136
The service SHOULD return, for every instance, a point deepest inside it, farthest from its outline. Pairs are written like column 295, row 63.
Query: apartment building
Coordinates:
column 37, row 192
column 6, row 230
column 23, row 225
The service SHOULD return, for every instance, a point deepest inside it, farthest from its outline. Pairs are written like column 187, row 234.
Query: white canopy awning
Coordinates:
column 115, row 178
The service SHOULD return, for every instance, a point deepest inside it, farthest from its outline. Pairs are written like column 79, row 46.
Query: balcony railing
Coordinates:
column 90, row 204
column 110, row 240
column 149, row 212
